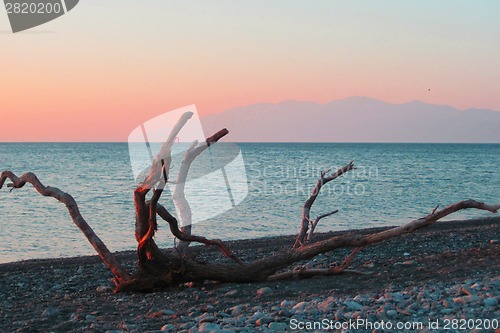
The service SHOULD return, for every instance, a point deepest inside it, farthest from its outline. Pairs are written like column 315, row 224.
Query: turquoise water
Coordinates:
column 394, row 183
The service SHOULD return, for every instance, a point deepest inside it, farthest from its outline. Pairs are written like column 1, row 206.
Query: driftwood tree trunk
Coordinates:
column 159, row 268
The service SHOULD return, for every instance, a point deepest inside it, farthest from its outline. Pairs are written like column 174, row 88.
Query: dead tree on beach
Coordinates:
column 159, row 268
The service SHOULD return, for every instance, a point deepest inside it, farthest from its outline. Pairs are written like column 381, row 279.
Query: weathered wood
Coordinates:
column 106, row 256
column 315, row 223
column 188, row 237
column 194, row 150
column 306, row 210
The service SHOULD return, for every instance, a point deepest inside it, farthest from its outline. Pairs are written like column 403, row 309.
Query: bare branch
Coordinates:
column 306, row 210
column 107, row 257
column 194, row 150
column 179, row 195
column 305, row 273
column 146, row 224
column 174, row 228
column 315, row 223
column 357, row 240
column 164, row 154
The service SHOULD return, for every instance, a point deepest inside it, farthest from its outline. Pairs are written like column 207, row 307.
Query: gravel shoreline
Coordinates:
column 447, row 274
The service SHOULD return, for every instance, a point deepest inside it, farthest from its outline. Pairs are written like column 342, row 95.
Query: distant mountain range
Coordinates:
column 356, row 119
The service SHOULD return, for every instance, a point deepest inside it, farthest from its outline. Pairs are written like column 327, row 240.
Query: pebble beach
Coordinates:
column 444, row 278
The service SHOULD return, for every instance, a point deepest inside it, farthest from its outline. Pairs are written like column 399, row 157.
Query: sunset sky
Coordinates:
column 99, row 71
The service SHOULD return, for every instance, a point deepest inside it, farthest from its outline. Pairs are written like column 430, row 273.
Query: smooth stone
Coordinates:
column 264, row 320
column 188, row 326
column 339, row 315
column 446, row 311
column 300, row 306
column 284, row 313
column 257, row 315
column 372, row 318
column 90, row 318
column 490, row 301
column 207, row 308
column 206, row 319
column 103, row 289
column 50, row 311
column 353, row 305
column 398, row 297
column 327, row 304
column 209, row 327
column 288, row 303
column 236, row 310
column 466, row 299
column 466, row 291
column 476, row 286
column 473, row 299
column 278, row 326
column 392, row 313
column 264, row 291
column 168, row 328
column 231, row 293
column 356, row 315
column 129, row 327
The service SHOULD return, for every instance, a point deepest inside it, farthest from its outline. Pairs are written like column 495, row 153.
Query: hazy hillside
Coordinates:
column 356, row 119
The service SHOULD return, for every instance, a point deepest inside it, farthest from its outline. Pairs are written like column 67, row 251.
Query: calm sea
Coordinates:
column 394, row 183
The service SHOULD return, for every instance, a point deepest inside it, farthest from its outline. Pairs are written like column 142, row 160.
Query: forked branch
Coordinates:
column 316, row 221
column 359, row 240
column 306, row 273
column 145, row 225
column 306, row 210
